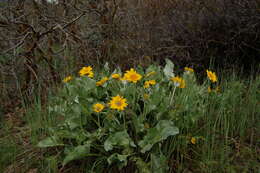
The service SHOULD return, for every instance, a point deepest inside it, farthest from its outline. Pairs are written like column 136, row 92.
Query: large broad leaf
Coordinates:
column 121, row 139
column 159, row 163
column 85, row 83
column 168, row 69
column 77, row 153
column 50, row 142
column 78, row 134
column 122, row 159
column 159, row 133
column 90, row 84
column 73, row 122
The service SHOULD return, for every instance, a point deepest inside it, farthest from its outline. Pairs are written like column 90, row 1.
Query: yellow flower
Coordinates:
column 209, row 89
column 148, row 83
column 91, row 75
column 110, row 116
column 193, row 140
column 217, row 89
column 102, row 81
column 116, row 76
column 67, row 79
column 146, row 125
column 132, row 76
column 86, row 71
column 146, row 96
column 188, row 69
column 150, row 74
column 123, row 78
column 98, row 107
column 212, row 76
column 178, row 82
column 118, row 103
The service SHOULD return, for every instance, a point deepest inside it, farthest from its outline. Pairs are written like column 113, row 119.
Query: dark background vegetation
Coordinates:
column 40, row 43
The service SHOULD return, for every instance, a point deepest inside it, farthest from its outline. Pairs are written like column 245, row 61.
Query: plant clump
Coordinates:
column 126, row 120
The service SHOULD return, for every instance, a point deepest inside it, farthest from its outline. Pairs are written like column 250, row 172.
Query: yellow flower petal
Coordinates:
column 116, row 76
column 67, row 79
column 193, row 140
column 216, row 90
column 148, row 83
column 146, row 96
column 178, row 82
column 189, row 69
column 150, row 74
column 146, row 125
column 209, row 89
column 102, row 81
column 212, row 76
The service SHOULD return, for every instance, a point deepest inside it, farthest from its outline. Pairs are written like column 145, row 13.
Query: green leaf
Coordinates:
column 156, row 97
column 118, row 157
column 138, row 123
column 96, row 135
column 168, row 69
column 152, row 68
column 52, row 163
column 159, row 133
column 50, row 142
column 106, row 67
column 142, row 166
column 78, row 134
column 85, row 83
column 77, row 153
column 159, row 163
column 118, row 139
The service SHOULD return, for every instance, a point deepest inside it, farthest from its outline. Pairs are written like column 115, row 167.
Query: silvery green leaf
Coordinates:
column 77, row 153
column 118, row 139
column 52, row 141
column 106, row 67
column 76, row 99
column 168, row 69
column 160, row 132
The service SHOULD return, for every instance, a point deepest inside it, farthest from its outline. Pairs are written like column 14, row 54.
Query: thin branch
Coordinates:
column 58, row 26
column 18, row 44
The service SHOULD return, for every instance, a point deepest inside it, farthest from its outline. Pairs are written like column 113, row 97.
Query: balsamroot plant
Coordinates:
column 120, row 119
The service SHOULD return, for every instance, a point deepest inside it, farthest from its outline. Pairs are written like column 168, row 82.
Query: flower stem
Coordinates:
column 172, row 94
